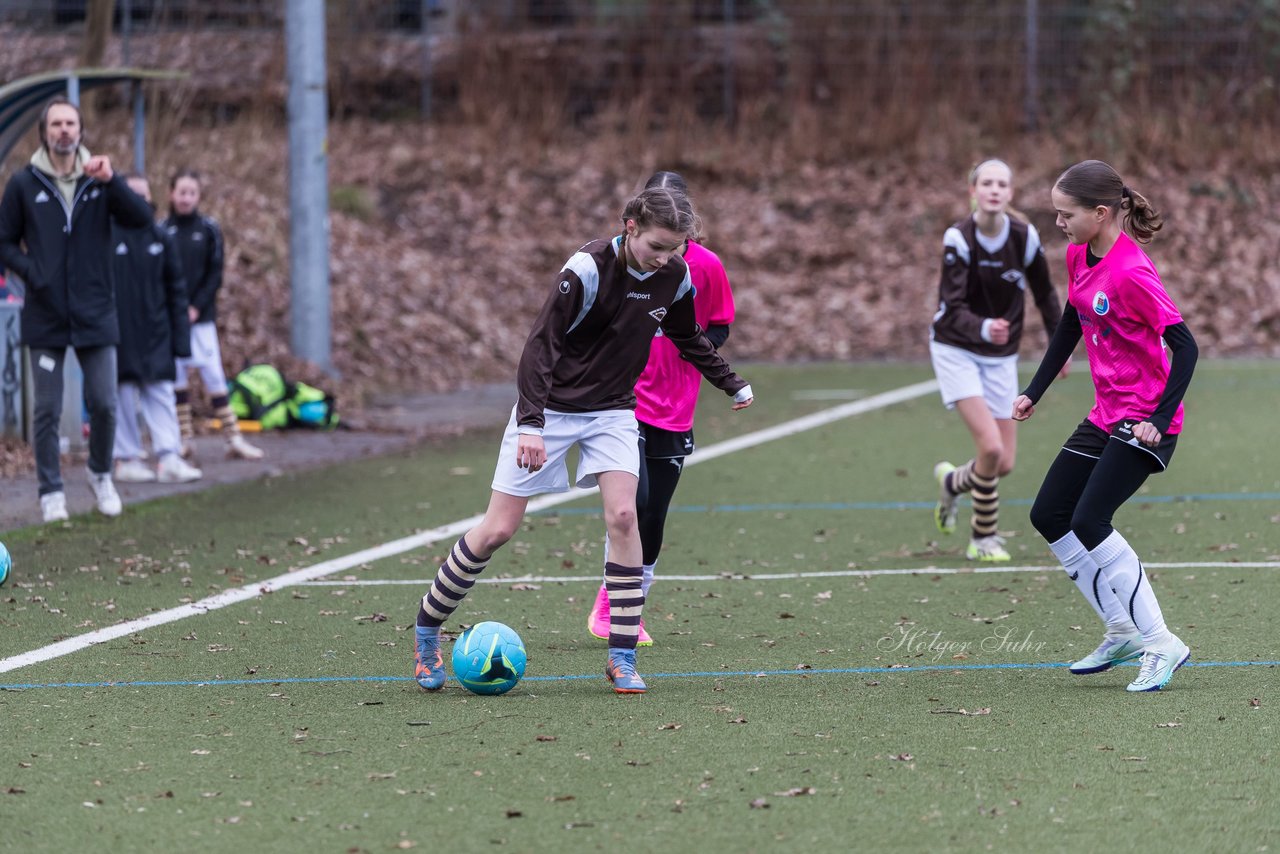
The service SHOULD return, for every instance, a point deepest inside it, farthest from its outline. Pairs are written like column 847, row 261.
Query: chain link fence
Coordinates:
column 1017, row 62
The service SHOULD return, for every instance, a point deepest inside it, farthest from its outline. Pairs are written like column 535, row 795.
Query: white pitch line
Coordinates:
column 425, row 538
column 785, row 576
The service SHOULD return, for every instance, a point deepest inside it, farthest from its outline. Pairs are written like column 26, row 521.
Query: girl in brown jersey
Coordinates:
column 989, row 260
column 576, row 383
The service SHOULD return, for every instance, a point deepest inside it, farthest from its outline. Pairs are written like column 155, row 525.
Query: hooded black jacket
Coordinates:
column 66, row 263
column 199, row 242
column 151, row 297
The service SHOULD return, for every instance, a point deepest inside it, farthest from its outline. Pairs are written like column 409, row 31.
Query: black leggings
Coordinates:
column 658, row 480
column 1081, row 493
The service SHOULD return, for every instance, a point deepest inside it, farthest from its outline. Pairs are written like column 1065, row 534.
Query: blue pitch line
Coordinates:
column 717, row 674
column 908, row 505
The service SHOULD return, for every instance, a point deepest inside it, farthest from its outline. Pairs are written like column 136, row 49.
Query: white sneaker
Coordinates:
column 105, row 491
column 944, row 514
column 1110, row 652
column 1159, row 664
column 238, row 446
column 54, row 506
column 174, row 469
column 134, row 471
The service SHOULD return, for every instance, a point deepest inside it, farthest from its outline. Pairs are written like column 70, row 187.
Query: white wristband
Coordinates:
column 529, row 430
column 744, row 394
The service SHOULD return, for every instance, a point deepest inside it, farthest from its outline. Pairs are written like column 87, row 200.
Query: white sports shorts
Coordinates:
column 963, row 374
column 206, row 357
column 607, row 441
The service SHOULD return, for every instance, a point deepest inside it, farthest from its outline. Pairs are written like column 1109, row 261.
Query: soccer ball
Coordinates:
column 488, row 658
column 6, row 564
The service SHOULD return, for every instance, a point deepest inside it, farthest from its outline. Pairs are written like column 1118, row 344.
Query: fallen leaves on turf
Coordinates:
column 983, row 711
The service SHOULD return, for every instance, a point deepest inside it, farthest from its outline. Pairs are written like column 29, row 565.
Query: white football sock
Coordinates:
column 603, row 572
column 647, row 581
column 1095, row 587
column 1123, row 569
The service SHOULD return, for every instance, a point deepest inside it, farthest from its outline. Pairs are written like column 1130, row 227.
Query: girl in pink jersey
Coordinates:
column 666, row 396
column 989, row 260
column 1116, row 302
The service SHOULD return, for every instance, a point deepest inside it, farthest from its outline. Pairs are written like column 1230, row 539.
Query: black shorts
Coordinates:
column 659, row 444
column 1089, row 440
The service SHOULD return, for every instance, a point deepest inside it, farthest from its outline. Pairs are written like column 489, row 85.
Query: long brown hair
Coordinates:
column 1091, row 183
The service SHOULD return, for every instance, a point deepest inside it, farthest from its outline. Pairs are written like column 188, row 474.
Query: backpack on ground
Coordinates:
column 261, row 393
column 311, row 407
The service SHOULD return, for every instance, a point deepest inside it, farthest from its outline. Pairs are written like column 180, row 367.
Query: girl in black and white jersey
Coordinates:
column 198, row 240
column 989, row 260
column 576, row 383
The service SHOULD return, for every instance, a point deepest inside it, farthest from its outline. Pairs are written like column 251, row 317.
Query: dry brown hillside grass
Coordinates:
column 827, row 201
column 445, row 241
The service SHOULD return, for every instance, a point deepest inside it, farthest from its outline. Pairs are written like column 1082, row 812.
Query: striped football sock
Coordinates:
column 182, row 402
column 986, row 505
column 626, row 602
column 453, row 581
column 222, row 411
column 960, row 481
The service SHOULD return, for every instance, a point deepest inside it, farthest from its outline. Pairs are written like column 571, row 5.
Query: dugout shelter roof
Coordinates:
column 21, row 100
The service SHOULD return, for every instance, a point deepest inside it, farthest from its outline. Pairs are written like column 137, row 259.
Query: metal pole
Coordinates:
column 139, row 131
column 728, row 63
column 72, row 424
column 308, row 111
column 1032, row 95
column 126, row 29
column 135, row 90
column 426, row 60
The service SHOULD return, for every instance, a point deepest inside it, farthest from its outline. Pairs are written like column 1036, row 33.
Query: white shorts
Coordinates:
column 607, row 441
column 206, row 357
column 963, row 374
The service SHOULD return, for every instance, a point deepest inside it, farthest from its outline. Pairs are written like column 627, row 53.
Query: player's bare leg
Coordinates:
column 455, row 578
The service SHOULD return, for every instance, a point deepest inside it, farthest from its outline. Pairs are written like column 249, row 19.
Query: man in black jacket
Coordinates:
column 55, row 234
column 151, row 297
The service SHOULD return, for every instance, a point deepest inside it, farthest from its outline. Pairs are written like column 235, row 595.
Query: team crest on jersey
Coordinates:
column 949, row 257
column 564, row 286
column 121, row 249
column 658, row 314
column 1015, row 277
column 1101, row 305
column 155, row 248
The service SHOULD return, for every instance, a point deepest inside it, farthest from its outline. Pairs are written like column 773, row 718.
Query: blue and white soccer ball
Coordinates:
column 489, row 658
column 6, row 564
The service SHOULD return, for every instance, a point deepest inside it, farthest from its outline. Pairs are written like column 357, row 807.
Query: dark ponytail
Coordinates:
column 1092, row 183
